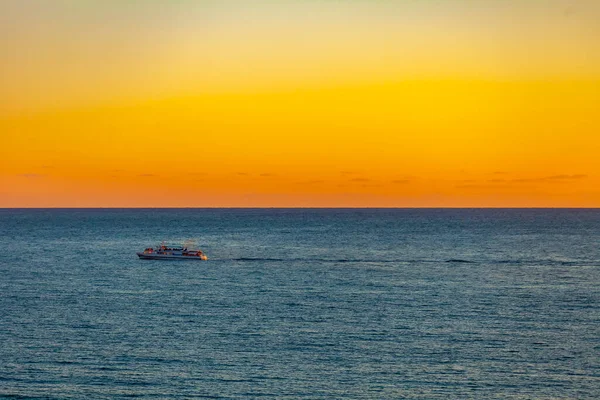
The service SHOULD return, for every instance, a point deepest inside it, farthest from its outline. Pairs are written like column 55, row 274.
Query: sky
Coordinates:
column 300, row 103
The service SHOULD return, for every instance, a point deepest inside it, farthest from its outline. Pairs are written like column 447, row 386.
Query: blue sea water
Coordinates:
column 295, row 303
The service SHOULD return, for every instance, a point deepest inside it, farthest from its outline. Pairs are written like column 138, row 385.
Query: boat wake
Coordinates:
column 450, row 261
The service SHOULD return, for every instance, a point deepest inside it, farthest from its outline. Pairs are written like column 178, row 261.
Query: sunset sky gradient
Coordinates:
column 300, row 103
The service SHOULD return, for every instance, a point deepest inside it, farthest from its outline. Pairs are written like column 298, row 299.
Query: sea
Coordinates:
column 301, row 304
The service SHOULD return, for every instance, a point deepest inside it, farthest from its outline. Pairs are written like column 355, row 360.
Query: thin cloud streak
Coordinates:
column 549, row 179
column 313, row 182
column 31, row 175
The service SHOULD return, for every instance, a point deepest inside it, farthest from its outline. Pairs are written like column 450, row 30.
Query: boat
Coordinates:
column 166, row 252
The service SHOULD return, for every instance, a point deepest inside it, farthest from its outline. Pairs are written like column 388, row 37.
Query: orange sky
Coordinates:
column 300, row 103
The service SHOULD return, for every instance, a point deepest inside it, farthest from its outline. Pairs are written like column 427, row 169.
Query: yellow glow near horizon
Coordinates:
column 314, row 103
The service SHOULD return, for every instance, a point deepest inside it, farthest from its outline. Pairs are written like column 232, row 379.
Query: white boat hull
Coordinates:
column 149, row 256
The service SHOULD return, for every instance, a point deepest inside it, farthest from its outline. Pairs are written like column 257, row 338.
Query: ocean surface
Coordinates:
column 293, row 303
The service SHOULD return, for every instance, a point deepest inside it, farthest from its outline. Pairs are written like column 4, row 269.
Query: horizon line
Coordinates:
column 304, row 208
